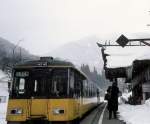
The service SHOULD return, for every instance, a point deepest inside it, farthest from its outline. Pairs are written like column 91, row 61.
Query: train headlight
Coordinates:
column 57, row 111
column 16, row 111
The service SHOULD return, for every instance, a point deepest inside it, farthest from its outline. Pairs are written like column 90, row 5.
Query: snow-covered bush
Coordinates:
column 124, row 98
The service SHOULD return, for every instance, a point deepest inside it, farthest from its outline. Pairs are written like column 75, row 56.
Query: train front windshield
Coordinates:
column 42, row 83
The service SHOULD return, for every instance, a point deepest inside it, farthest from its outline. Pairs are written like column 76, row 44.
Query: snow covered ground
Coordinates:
column 135, row 114
column 3, row 108
column 3, row 97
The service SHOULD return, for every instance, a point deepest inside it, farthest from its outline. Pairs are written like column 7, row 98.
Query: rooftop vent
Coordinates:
column 46, row 58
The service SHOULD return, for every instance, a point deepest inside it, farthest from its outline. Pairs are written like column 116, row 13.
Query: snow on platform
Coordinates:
column 135, row 114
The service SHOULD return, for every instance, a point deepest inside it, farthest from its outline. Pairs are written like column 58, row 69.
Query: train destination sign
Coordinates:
column 22, row 74
column 42, row 64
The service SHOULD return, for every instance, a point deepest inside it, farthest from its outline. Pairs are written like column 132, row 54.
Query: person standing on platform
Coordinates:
column 113, row 102
column 108, row 98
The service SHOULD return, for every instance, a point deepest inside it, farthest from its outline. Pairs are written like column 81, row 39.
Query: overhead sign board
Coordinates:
column 122, row 41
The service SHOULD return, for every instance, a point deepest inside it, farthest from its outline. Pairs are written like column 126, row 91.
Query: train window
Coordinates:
column 72, row 80
column 77, row 85
column 93, row 91
column 59, row 83
column 21, row 85
column 148, row 73
column 59, row 86
column 35, row 86
column 90, row 90
column 85, row 87
column 39, row 86
column 71, row 92
column 87, row 90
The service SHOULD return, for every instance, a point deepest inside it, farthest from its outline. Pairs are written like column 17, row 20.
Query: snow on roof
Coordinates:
column 145, row 56
column 123, row 57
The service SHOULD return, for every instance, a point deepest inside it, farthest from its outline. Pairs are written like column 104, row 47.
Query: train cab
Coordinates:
column 49, row 90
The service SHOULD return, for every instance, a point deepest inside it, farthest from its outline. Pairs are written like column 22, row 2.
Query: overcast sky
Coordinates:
column 46, row 24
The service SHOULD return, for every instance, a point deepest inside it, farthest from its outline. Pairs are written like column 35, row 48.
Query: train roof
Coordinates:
column 47, row 62
column 44, row 62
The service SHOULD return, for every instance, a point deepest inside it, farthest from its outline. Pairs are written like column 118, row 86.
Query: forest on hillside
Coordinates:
column 97, row 78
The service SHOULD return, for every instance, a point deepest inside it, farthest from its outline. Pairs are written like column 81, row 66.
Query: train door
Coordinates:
column 38, row 101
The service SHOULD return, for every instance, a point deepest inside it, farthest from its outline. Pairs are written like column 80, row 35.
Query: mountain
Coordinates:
column 6, row 53
column 83, row 51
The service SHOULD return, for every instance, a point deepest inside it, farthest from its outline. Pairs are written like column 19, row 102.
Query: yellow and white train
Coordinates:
column 50, row 91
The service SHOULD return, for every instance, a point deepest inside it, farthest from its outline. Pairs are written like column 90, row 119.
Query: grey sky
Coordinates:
column 47, row 24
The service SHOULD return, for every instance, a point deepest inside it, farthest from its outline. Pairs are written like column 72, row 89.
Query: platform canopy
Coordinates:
column 115, row 73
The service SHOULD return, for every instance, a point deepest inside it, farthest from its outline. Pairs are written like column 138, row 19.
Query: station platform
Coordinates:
column 111, row 121
column 100, row 115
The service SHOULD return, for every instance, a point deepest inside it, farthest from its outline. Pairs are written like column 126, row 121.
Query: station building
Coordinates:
column 137, row 77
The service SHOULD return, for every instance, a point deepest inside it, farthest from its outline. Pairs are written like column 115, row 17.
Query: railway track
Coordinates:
column 94, row 116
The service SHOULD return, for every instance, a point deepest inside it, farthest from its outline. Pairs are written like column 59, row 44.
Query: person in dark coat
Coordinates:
column 108, row 98
column 113, row 101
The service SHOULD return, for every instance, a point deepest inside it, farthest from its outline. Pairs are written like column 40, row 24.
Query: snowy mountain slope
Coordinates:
column 8, row 49
column 84, row 51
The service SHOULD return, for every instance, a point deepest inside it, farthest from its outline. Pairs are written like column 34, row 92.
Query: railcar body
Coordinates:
column 49, row 90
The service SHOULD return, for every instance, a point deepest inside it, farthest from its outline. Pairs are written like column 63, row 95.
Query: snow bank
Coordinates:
column 138, row 114
column 124, row 98
column 102, row 99
column 3, row 97
column 3, row 109
column 2, row 74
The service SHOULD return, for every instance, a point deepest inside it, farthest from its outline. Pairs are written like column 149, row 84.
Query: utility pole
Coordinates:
column 13, row 51
column 20, row 55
